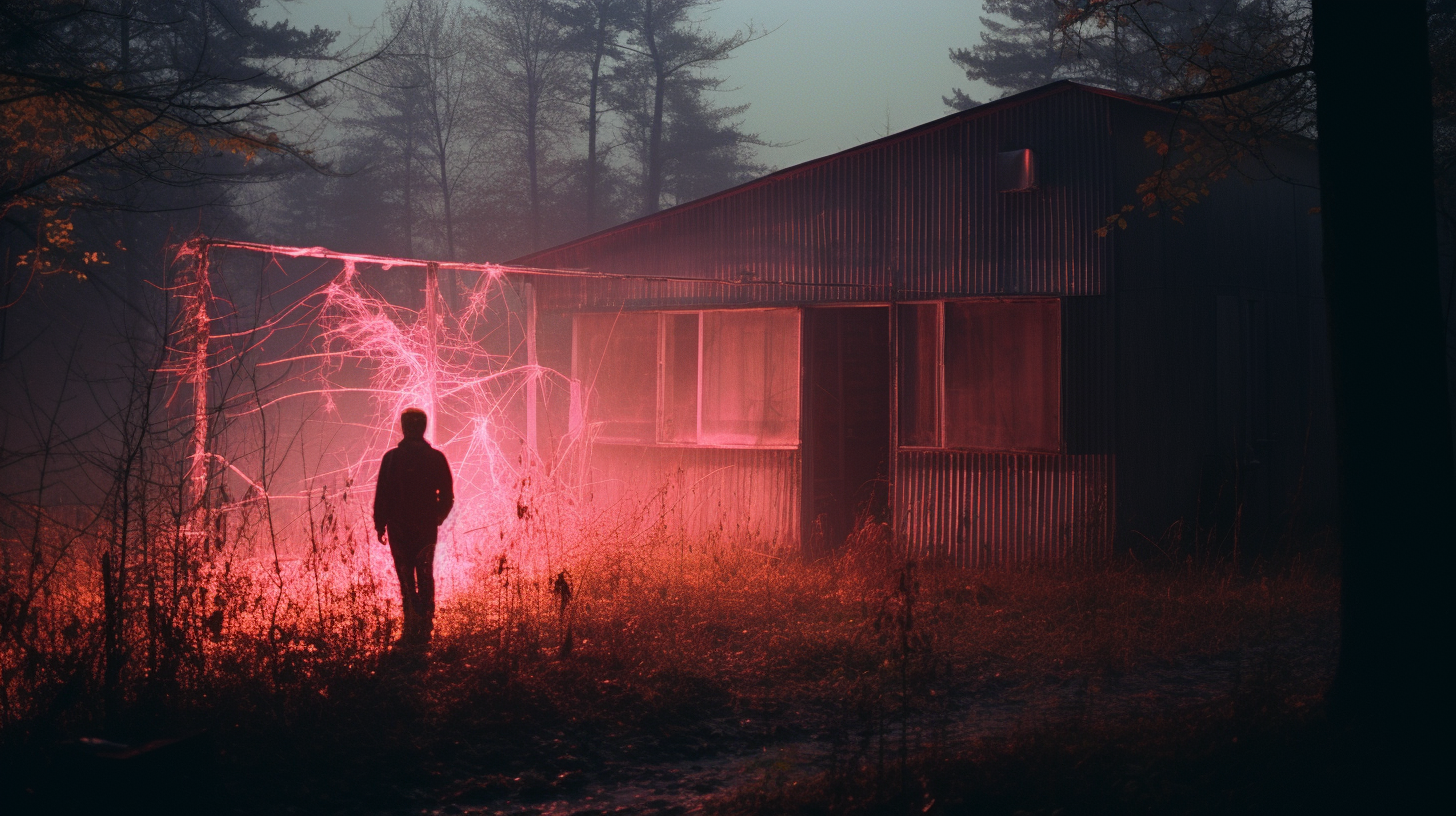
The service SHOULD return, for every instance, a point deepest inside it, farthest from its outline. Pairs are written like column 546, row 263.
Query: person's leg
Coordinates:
column 404, row 567
column 425, row 578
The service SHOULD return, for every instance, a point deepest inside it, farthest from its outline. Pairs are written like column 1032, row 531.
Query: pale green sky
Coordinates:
column 827, row 78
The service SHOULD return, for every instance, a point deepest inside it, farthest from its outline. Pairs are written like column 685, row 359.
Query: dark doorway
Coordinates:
column 847, row 422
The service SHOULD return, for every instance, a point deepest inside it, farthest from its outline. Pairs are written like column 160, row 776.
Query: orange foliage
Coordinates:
column 59, row 143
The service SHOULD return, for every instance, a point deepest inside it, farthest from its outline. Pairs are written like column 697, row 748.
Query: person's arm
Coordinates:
column 382, row 490
column 447, row 491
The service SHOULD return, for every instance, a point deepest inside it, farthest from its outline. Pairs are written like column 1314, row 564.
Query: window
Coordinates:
column 679, row 378
column 981, row 374
column 724, row 377
column 750, row 378
column 615, row 359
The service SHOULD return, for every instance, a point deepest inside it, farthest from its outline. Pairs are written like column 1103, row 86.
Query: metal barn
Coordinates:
column 927, row 329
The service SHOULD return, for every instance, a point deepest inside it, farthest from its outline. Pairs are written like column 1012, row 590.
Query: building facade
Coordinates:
column 929, row 330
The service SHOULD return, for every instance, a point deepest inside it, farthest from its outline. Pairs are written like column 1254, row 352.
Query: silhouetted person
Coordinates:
column 413, row 496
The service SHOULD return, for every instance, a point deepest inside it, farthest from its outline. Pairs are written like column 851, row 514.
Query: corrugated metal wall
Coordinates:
column 1089, row 375
column 981, row 509
column 1223, row 411
column 918, row 210
column 740, row 493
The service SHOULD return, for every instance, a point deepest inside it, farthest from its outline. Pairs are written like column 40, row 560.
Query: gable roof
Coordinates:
column 950, row 120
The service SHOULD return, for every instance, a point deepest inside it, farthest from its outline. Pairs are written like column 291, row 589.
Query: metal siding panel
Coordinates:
column 1088, row 374
column 701, row 490
column 988, row 509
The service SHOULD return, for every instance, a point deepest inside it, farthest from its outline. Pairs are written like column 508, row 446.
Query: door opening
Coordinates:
column 846, row 422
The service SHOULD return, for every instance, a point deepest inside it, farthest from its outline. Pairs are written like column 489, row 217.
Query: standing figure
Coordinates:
column 413, row 496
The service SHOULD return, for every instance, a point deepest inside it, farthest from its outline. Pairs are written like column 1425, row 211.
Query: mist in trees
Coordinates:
column 125, row 126
column 489, row 128
column 119, row 117
column 466, row 129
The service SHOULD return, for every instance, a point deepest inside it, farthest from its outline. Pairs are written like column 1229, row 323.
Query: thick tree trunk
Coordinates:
column 1393, row 430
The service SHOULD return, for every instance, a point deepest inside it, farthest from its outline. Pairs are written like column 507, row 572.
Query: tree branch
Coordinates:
column 1293, row 70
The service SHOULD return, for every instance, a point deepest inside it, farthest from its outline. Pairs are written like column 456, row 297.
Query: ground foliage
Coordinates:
column 634, row 651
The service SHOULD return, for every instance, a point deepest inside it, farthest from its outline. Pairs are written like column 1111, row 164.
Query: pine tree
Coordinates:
column 104, row 104
column 669, row 47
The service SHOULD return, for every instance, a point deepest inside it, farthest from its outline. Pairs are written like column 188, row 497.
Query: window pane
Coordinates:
column 750, row 377
column 616, row 362
column 919, row 389
column 1003, row 375
column 680, row 378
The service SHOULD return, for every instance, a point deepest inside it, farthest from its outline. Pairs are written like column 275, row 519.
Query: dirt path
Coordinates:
column 806, row 742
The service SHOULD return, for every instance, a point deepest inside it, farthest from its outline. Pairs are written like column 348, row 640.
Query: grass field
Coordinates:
column 908, row 682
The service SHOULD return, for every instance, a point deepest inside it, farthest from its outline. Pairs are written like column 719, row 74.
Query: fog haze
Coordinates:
column 831, row 75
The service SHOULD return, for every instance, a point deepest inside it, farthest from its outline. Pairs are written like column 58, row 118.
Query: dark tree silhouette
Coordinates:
column 1397, row 490
column 532, row 73
column 99, row 97
column 595, row 26
column 670, row 47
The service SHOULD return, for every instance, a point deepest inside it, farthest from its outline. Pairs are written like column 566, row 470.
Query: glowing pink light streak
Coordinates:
column 409, row 357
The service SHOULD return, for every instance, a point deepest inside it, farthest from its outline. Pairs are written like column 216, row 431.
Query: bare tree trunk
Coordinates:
column 652, row 190
column 445, row 198
column 1393, row 431
column 592, row 125
column 409, row 186
column 652, row 184
column 532, row 162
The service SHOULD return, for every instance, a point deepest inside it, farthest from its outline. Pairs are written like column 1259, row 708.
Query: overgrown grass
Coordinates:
column 651, row 647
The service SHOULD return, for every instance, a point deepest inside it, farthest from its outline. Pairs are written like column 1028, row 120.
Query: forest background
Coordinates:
column 475, row 130
column 460, row 129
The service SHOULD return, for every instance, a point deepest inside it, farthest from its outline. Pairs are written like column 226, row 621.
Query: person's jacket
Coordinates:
column 415, row 491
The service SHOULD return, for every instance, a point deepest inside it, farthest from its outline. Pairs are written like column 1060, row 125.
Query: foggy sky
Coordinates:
column 828, row 78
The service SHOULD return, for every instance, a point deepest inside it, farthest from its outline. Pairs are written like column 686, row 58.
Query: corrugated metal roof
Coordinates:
column 914, row 214
column 987, row 109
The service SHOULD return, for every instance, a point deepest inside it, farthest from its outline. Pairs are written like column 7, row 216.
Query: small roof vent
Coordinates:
column 1015, row 171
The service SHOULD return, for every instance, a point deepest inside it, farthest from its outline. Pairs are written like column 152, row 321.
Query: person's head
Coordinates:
column 413, row 422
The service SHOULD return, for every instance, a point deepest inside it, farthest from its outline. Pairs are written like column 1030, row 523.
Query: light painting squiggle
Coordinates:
column 353, row 361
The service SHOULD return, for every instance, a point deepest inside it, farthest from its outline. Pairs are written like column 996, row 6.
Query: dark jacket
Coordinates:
column 414, row 493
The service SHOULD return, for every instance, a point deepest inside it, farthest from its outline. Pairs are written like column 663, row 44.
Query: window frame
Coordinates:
column 662, row 398
column 942, row 417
